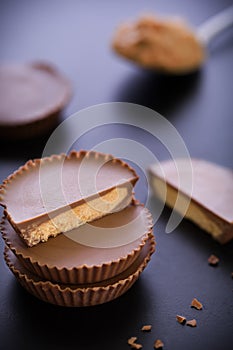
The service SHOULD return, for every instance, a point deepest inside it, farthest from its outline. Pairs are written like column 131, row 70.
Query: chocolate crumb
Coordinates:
column 132, row 340
column 196, row 304
column 146, row 328
column 213, row 260
column 180, row 319
column 191, row 323
column 158, row 344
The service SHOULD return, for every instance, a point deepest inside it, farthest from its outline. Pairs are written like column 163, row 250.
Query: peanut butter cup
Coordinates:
column 69, row 259
column 72, row 295
column 211, row 193
column 59, row 193
column 31, row 97
column 106, row 239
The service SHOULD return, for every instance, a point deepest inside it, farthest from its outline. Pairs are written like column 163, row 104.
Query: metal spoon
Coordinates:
column 215, row 25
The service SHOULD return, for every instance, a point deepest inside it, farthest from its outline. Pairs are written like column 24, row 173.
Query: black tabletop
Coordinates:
column 76, row 36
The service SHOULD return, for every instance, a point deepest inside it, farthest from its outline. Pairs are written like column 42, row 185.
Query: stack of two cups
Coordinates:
column 106, row 239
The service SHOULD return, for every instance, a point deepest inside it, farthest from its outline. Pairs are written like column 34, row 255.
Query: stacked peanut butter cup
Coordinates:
column 74, row 233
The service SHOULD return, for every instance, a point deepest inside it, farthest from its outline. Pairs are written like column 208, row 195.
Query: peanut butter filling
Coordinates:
column 114, row 200
column 167, row 45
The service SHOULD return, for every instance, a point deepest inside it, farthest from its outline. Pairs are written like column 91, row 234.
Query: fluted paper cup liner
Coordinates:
column 80, row 295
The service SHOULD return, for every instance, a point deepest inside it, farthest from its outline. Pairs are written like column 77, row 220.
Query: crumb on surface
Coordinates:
column 132, row 340
column 191, row 323
column 146, row 328
column 136, row 346
column 196, row 304
column 158, row 344
column 180, row 319
column 213, row 260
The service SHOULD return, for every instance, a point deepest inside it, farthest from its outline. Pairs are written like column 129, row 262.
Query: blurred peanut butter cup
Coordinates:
column 31, row 99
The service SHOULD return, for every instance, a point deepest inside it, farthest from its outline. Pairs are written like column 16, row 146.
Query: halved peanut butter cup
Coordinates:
column 59, row 193
column 206, row 190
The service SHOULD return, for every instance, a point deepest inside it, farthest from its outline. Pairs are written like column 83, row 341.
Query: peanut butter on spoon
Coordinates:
column 168, row 45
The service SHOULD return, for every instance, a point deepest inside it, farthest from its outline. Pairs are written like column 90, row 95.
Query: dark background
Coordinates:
column 76, row 35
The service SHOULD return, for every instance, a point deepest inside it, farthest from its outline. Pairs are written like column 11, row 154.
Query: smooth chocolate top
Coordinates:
column 211, row 184
column 29, row 92
column 64, row 252
column 44, row 186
